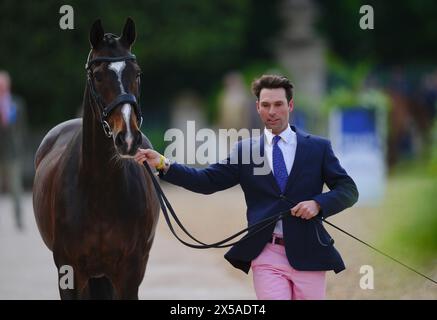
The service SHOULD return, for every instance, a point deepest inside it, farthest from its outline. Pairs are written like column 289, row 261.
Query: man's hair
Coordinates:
column 269, row 81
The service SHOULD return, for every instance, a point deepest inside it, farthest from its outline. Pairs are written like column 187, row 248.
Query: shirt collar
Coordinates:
column 285, row 135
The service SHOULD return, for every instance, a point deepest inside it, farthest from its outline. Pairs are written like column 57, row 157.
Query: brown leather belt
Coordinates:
column 276, row 240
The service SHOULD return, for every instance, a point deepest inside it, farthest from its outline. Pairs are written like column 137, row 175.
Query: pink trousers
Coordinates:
column 275, row 279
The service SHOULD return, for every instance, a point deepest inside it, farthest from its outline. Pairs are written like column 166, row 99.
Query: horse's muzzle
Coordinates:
column 128, row 144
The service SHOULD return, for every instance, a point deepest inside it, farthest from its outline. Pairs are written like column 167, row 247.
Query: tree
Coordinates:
column 180, row 44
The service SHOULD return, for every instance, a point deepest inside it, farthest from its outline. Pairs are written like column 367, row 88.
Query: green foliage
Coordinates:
column 155, row 135
column 350, row 90
column 409, row 212
column 180, row 44
column 348, row 75
column 433, row 152
column 342, row 98
column 404, row 31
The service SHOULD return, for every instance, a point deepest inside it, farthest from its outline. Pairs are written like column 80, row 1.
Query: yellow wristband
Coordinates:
column 161, row 164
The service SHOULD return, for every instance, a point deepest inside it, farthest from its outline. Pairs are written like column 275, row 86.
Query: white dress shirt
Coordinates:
column 287, row 144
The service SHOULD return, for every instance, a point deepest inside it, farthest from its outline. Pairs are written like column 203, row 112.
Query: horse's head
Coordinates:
column 114, row 84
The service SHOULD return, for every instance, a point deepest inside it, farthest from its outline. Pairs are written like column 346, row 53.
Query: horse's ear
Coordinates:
column 96, row 33
column 128, row 36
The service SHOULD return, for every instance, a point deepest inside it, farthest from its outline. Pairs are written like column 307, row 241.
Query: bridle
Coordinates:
column 105, row 111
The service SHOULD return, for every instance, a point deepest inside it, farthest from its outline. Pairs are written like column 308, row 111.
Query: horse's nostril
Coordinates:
column 119, row 139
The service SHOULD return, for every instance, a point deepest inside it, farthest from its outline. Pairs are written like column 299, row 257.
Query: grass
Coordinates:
column 410, row 209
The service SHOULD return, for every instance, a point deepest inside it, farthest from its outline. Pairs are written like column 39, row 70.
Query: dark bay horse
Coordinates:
column 95, row 207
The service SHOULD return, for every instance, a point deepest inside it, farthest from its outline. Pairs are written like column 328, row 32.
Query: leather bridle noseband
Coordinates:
column 122, row 98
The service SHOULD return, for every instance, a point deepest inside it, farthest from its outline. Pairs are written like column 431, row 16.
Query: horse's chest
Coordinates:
column 101, row 227
column 104, row 231
column 115, row 228
column 101, row 245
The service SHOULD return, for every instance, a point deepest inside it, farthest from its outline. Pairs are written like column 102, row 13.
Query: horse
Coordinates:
column 95, row 207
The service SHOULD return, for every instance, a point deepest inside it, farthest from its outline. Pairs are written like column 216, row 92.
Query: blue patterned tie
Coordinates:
column 279, row 168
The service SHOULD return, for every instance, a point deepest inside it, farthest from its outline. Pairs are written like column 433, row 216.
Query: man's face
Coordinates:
column 273, row 109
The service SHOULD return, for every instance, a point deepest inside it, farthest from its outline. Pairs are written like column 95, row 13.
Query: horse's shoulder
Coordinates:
column 59, row 135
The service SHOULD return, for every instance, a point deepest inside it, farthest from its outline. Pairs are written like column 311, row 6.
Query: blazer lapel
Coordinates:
column 302, row 151
column 258, row 148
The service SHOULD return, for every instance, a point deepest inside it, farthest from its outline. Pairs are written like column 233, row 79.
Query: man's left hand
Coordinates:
column 306, row 209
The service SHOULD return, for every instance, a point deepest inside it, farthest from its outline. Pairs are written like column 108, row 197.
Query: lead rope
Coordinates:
column 164, row 203
column 259, row 226
column 320, row 220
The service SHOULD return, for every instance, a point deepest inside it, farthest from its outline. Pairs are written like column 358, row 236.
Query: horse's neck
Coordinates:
column 97, row 149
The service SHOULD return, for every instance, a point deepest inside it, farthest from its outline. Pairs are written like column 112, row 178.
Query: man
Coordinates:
column 288, row 260
column 11, row 131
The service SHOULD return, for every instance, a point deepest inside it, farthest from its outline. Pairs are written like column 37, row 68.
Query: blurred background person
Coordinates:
column 234, row 103
column 11, row 145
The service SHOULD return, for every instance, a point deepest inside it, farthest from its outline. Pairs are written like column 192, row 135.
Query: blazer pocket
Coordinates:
column 323, row 237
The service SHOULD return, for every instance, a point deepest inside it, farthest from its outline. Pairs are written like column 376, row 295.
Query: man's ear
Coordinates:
column 291, row 105
column 257, row 106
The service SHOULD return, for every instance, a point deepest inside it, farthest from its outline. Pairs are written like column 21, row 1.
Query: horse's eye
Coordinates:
column 98, row 76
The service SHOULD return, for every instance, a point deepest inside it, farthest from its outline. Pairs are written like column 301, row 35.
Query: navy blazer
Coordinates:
column 308, row 245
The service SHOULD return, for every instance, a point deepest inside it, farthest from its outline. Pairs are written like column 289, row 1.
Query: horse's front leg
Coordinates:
column 128, row 279
column 71, row 282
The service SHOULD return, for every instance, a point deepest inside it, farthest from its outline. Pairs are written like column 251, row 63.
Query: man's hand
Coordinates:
column 306, row 209
column 152, row 157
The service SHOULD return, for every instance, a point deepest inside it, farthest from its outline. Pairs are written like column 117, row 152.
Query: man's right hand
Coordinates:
column 152, row 157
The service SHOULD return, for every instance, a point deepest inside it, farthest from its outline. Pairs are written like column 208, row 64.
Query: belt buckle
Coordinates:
column 274, row 237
